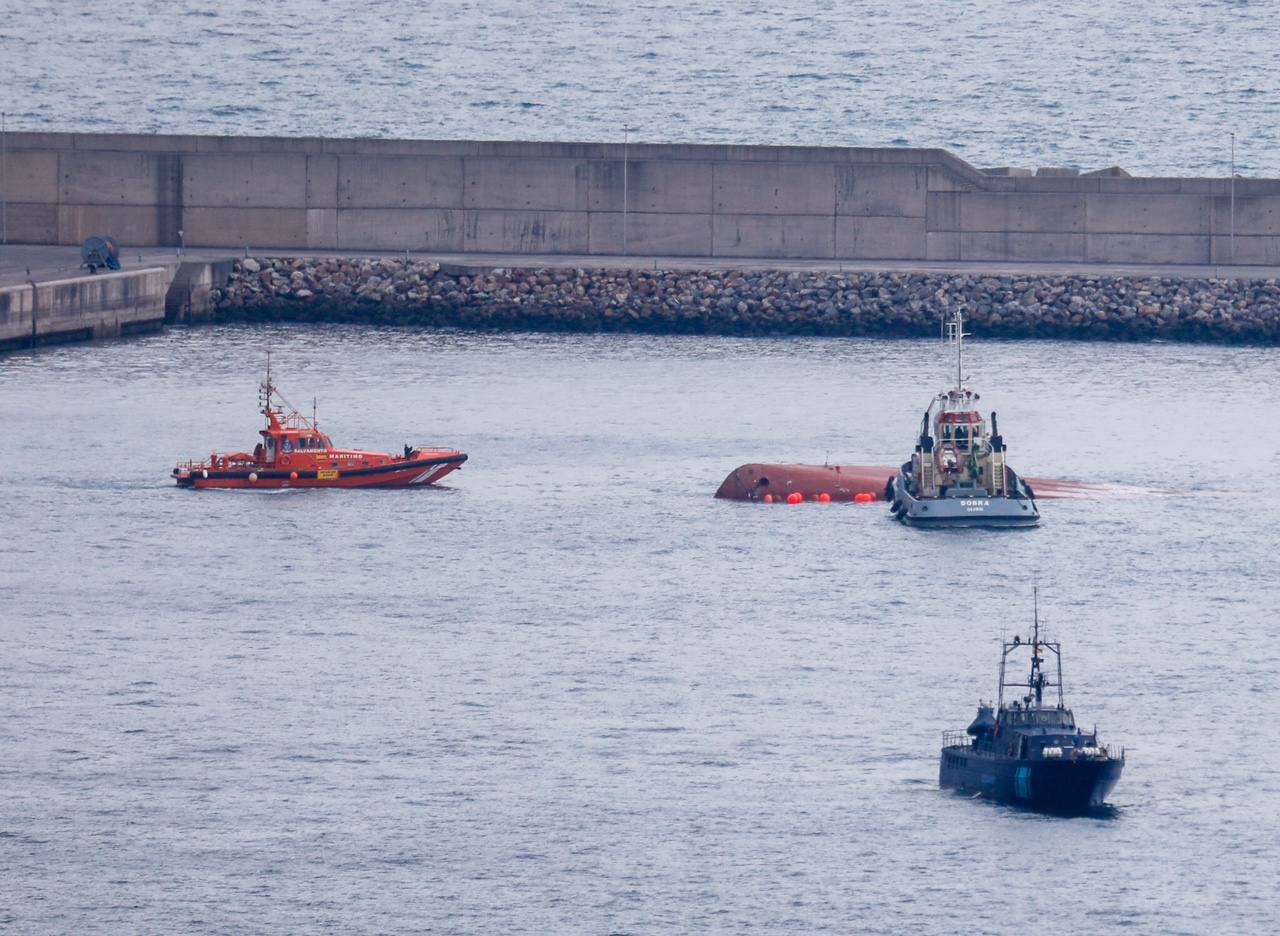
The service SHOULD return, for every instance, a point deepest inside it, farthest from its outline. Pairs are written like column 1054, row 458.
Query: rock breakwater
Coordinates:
column 413, row 292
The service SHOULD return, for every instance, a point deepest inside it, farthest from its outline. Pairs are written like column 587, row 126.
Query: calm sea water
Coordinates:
column 571, row 692
column 1155, row 88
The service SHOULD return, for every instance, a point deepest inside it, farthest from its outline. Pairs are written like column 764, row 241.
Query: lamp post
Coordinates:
column 1233, row 198
column 626, row 139
column 4, row 178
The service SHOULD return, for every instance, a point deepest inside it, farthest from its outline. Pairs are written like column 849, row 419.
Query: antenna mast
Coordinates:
column 1036, row 682
column 264, row 392
column 955, row 332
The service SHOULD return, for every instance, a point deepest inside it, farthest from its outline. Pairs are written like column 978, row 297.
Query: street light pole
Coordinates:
column 4, row 178
column 626, row 166
column 1233, row 198
column 626, row 133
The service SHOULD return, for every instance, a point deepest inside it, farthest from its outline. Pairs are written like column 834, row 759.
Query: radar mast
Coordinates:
column 1038, row 680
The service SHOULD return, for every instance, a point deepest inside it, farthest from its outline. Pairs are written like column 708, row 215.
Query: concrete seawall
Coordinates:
column 604, row 199
column 102, row 306
column 40, row 309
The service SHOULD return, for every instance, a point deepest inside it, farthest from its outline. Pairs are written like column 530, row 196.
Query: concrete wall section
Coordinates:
column 878, row 238
column 495, row 231
column 101, row 306
column 191, row 293
column 245, row 227
column 1021, row 213
column 1020, row 246
column 773, row 235
column 653, row 185
column 271, row 180
column 883, row 191
column 30, row 176
column 520, row 184
column 16, row 328
column 110, row 178
column 678, row 200
column 399, row 182
column 1147, row 248
column 131, row 225
column 1253, row 215
column 1148, row 214
column 27, row 223
column 322, row 180
column 1260, row 251
column 774, row 189
column 397, row 229
column 651, row 234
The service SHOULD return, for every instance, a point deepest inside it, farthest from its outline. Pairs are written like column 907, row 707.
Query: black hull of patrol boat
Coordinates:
column 1057, row 786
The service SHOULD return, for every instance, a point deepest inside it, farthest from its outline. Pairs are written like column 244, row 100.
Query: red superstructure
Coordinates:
column 295, row 453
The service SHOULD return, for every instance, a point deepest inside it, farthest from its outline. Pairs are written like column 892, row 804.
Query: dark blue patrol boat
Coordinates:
column 1029, row 753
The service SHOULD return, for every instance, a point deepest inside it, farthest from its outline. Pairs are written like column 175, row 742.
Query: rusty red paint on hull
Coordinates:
column 841, row 482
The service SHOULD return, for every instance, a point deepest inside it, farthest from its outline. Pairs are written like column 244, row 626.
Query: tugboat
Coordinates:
column 294, row 452
column 1029, row 753
column 957, row 475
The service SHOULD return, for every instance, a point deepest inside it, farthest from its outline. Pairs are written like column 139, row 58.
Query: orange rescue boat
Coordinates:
column 295, row 453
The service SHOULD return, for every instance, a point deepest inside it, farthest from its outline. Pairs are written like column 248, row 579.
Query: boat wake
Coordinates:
column 1049, row 489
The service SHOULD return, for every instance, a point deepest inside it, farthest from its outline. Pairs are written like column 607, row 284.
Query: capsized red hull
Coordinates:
column 840, row 482
column 845, row 482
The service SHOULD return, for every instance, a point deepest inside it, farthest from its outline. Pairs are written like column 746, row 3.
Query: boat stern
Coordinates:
column 185, row 473
column 961, row 509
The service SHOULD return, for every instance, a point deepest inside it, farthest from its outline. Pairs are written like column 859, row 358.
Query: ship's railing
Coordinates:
column 240, row 460
column 961, row 739
column 956, row 739
column 1082, row 752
